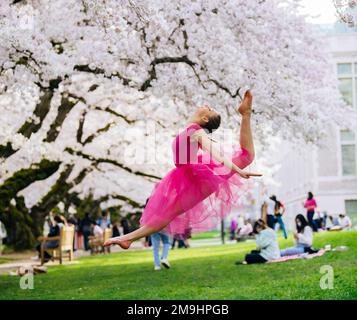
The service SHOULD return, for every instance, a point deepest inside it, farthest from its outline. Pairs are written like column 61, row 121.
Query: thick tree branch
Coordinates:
column 108, row 109
column 68, row 101
column 133, row 203
column 86, row 68
column 23, row 178
column 80, row 126
column 156, row 61
column 58, row 193
column 42, row 108
column 6, row 150
column 94, row 135
column 97, row 161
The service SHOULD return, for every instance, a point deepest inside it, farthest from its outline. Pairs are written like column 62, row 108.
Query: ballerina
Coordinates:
column 199, row 191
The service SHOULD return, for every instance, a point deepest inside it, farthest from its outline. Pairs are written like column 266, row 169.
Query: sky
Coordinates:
column 324, row 9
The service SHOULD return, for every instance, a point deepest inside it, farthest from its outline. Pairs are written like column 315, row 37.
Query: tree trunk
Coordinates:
column 19, row 224
column 223, row 233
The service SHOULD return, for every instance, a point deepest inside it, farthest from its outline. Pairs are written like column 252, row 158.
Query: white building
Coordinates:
column 329, row 172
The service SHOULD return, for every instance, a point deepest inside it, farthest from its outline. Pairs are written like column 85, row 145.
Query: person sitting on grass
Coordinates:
column 245, row 231
column 303, row 238
column 267, row 245
column 344, row 222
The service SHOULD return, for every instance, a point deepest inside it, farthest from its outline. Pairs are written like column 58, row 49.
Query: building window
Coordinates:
column 347, row 78
column 344, row 68
column 351, row 210
column 345, row 86
column 348, row 151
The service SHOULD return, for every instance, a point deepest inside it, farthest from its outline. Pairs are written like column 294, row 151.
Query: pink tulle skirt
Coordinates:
column 195, row 196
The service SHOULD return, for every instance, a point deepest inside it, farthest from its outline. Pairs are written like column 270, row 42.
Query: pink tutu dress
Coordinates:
column 198, row 192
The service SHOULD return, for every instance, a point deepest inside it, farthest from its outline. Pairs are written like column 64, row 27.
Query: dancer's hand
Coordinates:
column 246, row 175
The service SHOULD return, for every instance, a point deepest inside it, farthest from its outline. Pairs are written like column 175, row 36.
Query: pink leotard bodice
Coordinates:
column 184, row 148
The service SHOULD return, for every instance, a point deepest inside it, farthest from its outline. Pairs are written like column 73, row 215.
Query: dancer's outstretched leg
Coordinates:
column 246, row 135
column 126, row 240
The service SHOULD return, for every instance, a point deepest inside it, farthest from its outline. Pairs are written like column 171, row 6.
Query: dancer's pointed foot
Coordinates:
column 124, row 244
column 245, row 107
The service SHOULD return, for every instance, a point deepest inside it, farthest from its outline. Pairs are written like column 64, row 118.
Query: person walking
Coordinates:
column 86, row 230
column 279, row 210
column 310, row 205
column 233, row 228
column 270, row 212
column 156, row 238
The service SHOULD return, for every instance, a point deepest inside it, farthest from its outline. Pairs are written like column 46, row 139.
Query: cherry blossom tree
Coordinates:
column 92, row 91
column 344, row 9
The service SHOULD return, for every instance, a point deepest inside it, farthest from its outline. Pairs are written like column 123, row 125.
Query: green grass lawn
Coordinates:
column 4, row 260
column 196, row 273
column 207, row 235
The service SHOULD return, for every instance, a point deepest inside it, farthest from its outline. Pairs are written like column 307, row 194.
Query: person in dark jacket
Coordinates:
column 86, row 230
column 126, row 225
column 55, row 229
column 116, row 229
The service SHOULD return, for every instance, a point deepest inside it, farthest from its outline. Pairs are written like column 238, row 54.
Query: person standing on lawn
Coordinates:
column 279, row 210
column 270, row 212
column 233, row 227
column 85, row 228
column 155, row 240
column 310, row 205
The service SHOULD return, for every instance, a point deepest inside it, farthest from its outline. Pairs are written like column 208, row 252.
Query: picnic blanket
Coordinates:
column 299, row 256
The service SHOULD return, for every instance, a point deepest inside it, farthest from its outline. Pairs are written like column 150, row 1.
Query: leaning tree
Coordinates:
column 92, row 91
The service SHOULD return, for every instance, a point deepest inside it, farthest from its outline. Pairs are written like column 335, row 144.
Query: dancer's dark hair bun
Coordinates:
column 213, row 123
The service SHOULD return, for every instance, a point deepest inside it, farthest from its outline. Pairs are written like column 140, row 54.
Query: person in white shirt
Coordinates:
column 97, row 237
column 245, row 230
column 97, row 231
column 267, row 245
column 271, row 203
column 344, row 221
column 303, row 238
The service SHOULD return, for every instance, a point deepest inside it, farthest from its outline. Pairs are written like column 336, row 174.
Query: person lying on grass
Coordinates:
column 267, row 245
column 303, row 238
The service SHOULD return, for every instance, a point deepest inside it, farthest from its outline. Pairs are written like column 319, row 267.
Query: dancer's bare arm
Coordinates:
column 207, row 144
